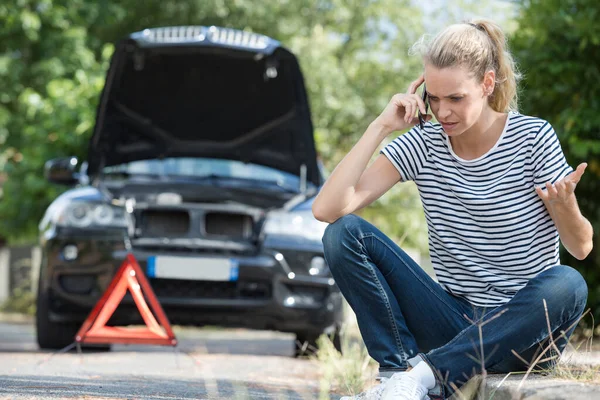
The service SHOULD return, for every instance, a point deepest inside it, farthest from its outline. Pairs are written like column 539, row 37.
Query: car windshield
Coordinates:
column 208, row 168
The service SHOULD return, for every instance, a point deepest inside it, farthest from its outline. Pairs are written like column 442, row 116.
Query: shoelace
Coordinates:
column 406, row 387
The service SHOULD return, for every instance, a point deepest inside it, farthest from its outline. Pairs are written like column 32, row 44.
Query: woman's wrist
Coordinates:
column 380, row 130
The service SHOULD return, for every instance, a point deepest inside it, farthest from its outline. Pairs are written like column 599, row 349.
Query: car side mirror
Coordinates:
column 62, row 170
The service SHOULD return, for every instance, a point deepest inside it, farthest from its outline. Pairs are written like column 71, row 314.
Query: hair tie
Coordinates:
column 478, row 27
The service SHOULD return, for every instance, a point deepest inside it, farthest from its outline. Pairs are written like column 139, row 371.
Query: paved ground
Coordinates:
column 537, row 386
column 219, row 364
column 211, row 364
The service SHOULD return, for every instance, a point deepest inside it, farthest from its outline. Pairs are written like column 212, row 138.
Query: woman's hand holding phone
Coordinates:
column 401, row 111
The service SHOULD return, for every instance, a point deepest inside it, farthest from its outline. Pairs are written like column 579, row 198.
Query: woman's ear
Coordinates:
column 489, row 83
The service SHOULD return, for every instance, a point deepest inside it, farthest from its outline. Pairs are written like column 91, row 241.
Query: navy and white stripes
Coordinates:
column 489, row 232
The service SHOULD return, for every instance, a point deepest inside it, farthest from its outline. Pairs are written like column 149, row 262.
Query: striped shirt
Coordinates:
column 489, row 232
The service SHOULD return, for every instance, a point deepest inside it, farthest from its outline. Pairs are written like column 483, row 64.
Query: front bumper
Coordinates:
column 268, row 293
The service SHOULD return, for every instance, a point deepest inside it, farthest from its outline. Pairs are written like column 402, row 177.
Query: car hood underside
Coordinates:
column 204, row 98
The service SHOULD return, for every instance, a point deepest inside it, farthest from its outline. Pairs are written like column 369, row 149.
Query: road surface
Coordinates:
column 208, row 364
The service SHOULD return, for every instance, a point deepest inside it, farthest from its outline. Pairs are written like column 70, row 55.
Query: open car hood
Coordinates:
column 204, row 92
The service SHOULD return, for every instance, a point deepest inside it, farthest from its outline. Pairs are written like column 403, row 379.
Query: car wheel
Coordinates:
column 54, row 335
column 306, row 343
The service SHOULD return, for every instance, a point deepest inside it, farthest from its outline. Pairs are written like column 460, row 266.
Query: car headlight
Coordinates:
column 298, row 223
column 83, row 215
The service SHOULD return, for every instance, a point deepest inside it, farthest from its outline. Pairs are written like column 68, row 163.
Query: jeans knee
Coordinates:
column 340, row 236
column 337, row 230
column 566, row 284
column 578, row 286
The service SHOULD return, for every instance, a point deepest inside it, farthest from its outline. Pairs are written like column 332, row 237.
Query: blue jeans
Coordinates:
column 403, row 313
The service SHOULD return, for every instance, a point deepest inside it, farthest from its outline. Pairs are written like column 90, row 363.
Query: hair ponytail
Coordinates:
column 505, row 96
column 480, row 46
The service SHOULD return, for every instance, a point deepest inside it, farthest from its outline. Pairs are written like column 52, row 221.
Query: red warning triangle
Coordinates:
column 129, row 276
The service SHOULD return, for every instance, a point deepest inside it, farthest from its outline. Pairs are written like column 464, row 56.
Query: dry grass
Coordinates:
column 355, row 371
column 561, row 367
column 348, row 373
column 580, row 373
column 572, row 366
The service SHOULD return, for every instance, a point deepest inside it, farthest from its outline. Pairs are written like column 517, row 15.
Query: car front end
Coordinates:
column 202, row 164
column 203, row 264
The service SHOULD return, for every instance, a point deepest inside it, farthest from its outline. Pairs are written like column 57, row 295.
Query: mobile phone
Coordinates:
column 421, row 116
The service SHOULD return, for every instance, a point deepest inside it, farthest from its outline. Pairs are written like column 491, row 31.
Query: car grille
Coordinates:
column 187, row 250
column 228, row 224
column 210, row 289
column 164, row 223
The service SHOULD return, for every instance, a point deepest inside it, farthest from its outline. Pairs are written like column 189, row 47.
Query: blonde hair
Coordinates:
column 480, row 46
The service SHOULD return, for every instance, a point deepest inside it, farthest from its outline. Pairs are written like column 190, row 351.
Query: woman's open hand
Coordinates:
column 561, row 191
column 400, row 113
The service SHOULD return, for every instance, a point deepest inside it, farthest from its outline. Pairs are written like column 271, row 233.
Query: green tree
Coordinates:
column 558, row 48
column 54, row 54
column 50, row 81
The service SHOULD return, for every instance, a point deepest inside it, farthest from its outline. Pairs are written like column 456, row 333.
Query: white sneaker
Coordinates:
column 373, row 393
column 404, row 386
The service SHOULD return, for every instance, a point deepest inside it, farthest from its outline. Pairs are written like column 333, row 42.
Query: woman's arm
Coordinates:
column 574, row 229
column 350, row 187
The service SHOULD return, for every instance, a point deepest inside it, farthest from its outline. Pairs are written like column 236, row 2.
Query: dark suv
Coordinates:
column 202, row 163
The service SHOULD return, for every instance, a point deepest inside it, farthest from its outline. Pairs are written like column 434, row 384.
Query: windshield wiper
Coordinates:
column 208, row 177
column 127, row 174
column 216, row 177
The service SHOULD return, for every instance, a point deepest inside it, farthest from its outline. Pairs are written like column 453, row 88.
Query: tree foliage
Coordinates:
column 558, row 48
column 50, row 79
column 54, row 54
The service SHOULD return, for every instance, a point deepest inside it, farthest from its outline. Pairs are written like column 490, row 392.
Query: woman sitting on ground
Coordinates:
column 497, row 194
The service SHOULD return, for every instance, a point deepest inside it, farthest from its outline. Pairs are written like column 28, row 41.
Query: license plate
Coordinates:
column 193, row 268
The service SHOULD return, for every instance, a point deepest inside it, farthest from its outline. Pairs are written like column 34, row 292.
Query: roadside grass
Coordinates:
column 580, row 373
column 573, row 365
column 561, row 367
column 350, row 372
column 570, row 368
column 354, row 371
column 21, row 301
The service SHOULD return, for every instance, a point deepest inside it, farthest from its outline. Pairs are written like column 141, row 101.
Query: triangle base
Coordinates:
column 128, row 277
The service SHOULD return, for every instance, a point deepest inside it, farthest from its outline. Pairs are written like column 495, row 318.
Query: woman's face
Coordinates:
column 456, row 98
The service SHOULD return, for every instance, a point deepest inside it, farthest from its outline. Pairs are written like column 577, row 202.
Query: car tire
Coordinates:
column 306, row 343
column 55, row 335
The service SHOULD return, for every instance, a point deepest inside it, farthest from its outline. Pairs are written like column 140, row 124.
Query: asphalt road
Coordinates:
column 207, row 364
